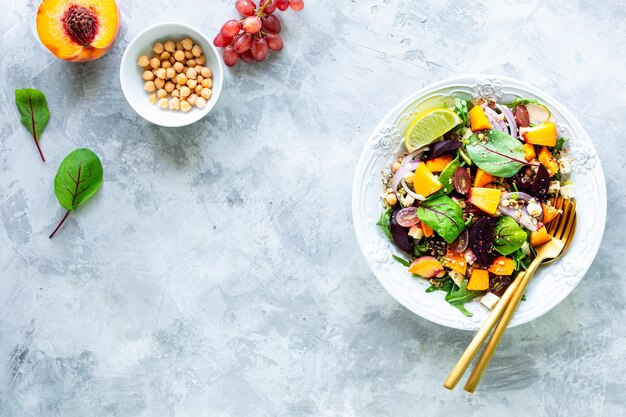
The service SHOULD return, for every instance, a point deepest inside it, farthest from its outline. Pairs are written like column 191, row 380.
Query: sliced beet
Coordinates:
column 443, row 148
column 499, row 283
column 481, row 241
column 400, row 234
column 541, row 183
column 522, row 182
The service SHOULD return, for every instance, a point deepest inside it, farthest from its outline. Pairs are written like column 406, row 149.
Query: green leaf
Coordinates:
column 522, row 262
column 401, row 260
column 519, row 101
column 385, row 222
column 78, row 178
column 560, row 143
column 445, row 178
column 460, row 108
column 34, row 113
column 500, row 155
column 508, row 236
column 458, row 296
column 443, row 215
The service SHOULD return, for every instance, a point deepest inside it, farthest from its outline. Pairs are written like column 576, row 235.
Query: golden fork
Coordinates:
column 480, row 337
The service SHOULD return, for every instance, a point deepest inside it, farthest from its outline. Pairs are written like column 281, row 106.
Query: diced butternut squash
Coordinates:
column 529, row 151
column 478, row 119
column 479, row 280
column 438, row 164
column 428, row 232
column 502, row 266
column 427, row 267
column 539, row 237
column 549, row 213
column 424, row 182
column 482, row 178
column 456, row 261
column 486, row 199
column 543, row 134
column 547, row 160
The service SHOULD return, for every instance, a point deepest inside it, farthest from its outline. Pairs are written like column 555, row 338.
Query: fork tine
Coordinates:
column 562, row 220
column 566, row 220
column 567, row 228
column 557, row 203
column 570, row 236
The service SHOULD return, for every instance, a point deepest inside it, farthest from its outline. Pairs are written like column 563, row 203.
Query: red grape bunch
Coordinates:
column 252, row 37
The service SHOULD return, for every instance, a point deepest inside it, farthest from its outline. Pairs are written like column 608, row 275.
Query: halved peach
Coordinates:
column 438, row 164
column 486, row 199
column 529, row 152
column 482, row 178
column 456, row 262
column 543, row 134
column 479, row 280
column 424, row 182
column 549, row 213
column 427, row 267
column 539, row 237
column 78, row 30
column 478, row 119
column 502, row 266
column 548, row 160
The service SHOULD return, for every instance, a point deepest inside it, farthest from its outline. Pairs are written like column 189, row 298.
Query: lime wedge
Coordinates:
column 428, row 126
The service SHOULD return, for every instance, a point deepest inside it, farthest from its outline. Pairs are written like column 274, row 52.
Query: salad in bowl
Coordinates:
column 468, row 199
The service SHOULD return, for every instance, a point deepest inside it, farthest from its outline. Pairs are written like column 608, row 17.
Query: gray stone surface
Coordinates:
column 216, row 272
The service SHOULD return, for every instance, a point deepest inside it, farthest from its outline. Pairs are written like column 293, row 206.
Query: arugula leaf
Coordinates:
column 559, row 143
column 522, row 262
column 78, row 178
column 519, row 101
column 445, row 178
column 460, row 108
column 385, row 223
column 443, row 215
column 402, row 261
column 508, row 236
column 34, row 113
column 458, row 296
column 500, row 155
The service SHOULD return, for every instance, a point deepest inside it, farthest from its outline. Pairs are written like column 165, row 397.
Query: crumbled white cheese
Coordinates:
column 407, row 200
column 416, row 232
column 534, row 208
column 567, row 191
column 457, row 277
column 526, row 248
column 489, row 300
column 554, row 187
column 565, row 163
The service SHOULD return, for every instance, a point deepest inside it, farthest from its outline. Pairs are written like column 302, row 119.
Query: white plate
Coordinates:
column 551, row 284
column 132, row 83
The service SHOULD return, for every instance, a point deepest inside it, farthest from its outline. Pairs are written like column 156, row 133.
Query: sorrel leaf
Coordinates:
column 443, row 215
column 500, row 155
column 34, row 113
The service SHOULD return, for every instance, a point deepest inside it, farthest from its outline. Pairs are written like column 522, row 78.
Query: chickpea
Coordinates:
column 179, row 56
column 172, row 60
column 170, row 73
column 143, row 61
column 155, row 63
column 206, row 72
column 196, row 51
column 160, row 73
column 161, row 93
column 165, row 55
column 200, row 78
column 148, row 76
column 192, row 73
column 175, row 104
column 200, row 103
column 179, row 46
column 191, row 62
column 170, row 46
column 198, row 68
column 159, row 83
column 169, row 86
column 395, row 166
column 179, row 86
column 152, row 98
column 166, row 64
column 192, row 83
column 409, row 178
column 185, row 91
column 192, row 99
column 149, row 86
column 207, row 82
column 391, row 199
column 206, row 93
column 181, row 79
column 164, row 103
column 197, row 89
column 187, row 44
column 178, row 66
column 188, row 55
column 185, row 106
column 157, row 48
column 175, row 93
column 201, row 60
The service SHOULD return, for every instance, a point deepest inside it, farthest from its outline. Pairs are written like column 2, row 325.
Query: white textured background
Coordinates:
column 216, row 272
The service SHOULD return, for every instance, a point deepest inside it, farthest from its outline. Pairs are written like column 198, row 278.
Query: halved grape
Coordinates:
column 461, row 242
column 462, row 181
column 407, row 217
column 521, row 116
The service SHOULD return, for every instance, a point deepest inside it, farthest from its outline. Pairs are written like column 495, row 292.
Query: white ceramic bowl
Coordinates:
column 551, row 284
column 132, row 83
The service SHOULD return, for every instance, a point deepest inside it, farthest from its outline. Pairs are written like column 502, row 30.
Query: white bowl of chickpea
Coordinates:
column 171, row 74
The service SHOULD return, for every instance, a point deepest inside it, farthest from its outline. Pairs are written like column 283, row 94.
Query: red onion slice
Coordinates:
column 411, row 192
column 494, row 119
column 403, row 170
column 520, row 215
column 510, row 118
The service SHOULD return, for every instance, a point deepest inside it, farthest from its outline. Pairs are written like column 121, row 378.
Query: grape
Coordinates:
column 230, row 28
column 521, row 116
column 230, row 56
column 245, row 7
column 460, row 244
column 282, row 5
column 246, row 57
column 297, row 5
column 407, row 217
column 462, row 181
column 242, row 43
column 274, row 41
column 271, row 24
column 221, row 41
column 251, row 24
column 270, row 8
column 259, row 49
